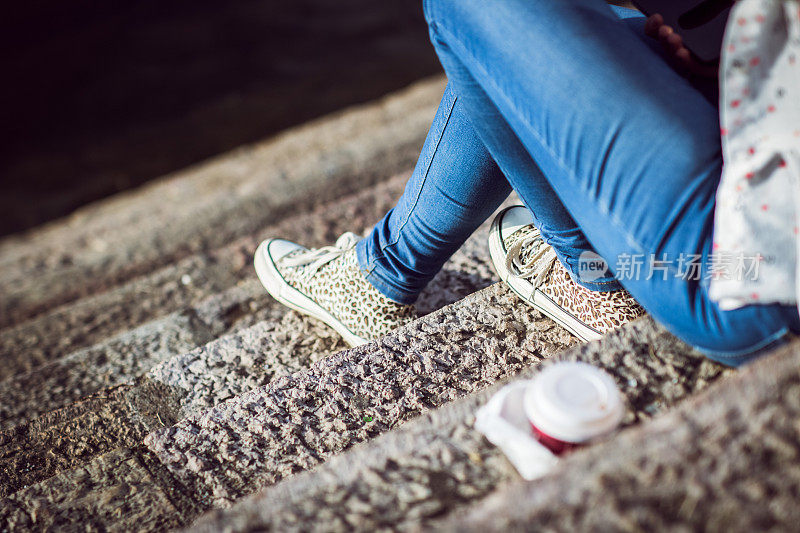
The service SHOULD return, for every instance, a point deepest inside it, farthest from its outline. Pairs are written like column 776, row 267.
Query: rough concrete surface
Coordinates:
column 181, row 285
column 114, row 492
column 438, row 463
column 131, row 354
column 281, row 343
column 290, row 342
column 208, row 205
column 388, row 381
column 727, row 460
column 423, row 468
column 93, row 319
column 73, row 436
column 298, row 421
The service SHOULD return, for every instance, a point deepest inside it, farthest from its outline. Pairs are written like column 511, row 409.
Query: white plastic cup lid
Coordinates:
column 573, row 402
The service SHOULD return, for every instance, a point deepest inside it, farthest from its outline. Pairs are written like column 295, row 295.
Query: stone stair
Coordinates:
column 239, row 302
column 207, row 206
column 121, row 417
column 437, row 464
column 149, row 383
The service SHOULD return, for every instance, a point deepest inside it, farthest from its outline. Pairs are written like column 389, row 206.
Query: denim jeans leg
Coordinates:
column 630, row 147
column 455, row 186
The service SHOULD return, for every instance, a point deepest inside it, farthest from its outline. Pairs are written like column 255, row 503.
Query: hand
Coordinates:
column 682, row 59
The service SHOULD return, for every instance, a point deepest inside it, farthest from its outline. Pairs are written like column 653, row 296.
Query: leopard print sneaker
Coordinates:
column 529, row 266
column 327, row 284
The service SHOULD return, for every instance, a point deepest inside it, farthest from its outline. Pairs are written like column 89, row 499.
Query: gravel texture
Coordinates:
column 73, row 436
column 383, row 383
column 114, row 492
column 211, row 204
column 94, row 319
column 131, row 354
column 252, row 358
column 280, row 343
column 290, row 343
column 182, row 285
column 298, row 421
column 439, row 463
column 726, row 460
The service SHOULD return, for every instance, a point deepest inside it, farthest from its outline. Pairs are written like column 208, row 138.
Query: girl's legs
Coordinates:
column 454, row 188
column 630, row 147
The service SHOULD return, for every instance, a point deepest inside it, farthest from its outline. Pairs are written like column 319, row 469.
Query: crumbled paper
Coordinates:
column 503, row 422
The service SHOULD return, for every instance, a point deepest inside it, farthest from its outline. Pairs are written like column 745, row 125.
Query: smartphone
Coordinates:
column 701, row 24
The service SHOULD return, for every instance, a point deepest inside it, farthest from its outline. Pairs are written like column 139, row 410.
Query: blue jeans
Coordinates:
column 611, row 150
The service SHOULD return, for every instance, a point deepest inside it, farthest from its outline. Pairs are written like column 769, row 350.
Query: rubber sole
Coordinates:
column 284, row 293
column 533, row 297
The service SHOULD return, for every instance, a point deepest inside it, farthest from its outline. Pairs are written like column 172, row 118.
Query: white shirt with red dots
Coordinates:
column 756, row 226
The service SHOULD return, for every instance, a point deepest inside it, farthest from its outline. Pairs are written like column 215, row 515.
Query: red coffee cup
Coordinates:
column 568, row 404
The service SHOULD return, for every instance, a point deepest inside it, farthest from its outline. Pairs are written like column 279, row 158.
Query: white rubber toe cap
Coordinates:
column 279, row 248
column 513, row 219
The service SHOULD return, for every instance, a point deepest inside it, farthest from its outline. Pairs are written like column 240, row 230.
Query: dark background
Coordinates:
column 99, row 97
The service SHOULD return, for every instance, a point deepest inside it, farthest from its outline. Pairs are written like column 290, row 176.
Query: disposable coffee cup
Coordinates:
column 570, row 404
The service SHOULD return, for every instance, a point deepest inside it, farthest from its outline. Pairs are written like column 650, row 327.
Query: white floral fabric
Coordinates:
column 756, row 229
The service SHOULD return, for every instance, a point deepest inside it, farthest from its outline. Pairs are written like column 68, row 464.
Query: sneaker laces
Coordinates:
column 319, row 257
column 521, row 263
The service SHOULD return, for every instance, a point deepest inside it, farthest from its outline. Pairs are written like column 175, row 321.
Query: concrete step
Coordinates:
column 73, row 436
column 180, row 286
column 123, row 490
column 726, row 460
column 115, row 361
column 438, row 463
column 95, row 318
column 284, row 342
column 211, row 204
column 294, row 422
column 299, row 421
